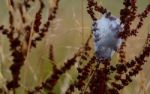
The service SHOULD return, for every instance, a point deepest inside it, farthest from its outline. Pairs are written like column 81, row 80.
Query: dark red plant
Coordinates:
column 93, row 74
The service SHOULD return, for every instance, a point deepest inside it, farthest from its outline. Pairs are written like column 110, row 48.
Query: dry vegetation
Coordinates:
column 33, row 43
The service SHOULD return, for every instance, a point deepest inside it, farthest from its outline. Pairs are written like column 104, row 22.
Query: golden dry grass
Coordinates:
column 69, row 30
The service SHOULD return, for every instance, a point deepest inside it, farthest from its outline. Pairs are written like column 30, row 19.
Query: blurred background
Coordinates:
column 68, row 32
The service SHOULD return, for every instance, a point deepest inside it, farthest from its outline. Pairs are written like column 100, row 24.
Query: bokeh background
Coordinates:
column 68, row 32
